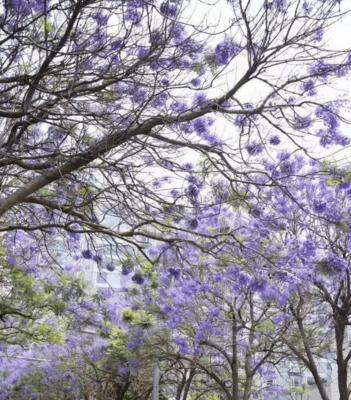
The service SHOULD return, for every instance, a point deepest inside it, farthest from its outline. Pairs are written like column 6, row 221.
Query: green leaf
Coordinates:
column 333, row 182
column 129, row 315
column 49, row 27
column 344, row 226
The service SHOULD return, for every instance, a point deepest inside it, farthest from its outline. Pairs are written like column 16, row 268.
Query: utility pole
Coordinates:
column 156, row 383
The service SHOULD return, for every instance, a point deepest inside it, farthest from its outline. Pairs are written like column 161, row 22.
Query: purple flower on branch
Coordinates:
column 225, row 51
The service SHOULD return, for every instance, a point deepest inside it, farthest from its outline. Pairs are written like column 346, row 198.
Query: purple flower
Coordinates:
column 160, row 100
column 182, row 344
column 194, row 187
column 212, row 139
column 307, row 7
column 203, row 331
column 174, row 272
column 200, row 100
column 139, row 95
column 117, row 44
column 138, row 278
column 166, row 308
column 22, row 7
column 196, row 82
column 241, row 121
column 133, row 14
column 319, row 35
column 188, row 167
column 319, row 206
column 321, row 69
column 254, row 148
column 325, row 139
column 258, row 285
column 308, row 249
column 309, row 87
column 287, row 167
column 135, row 342
column 11, row 260
column 193, row 223
column 281, row 4
column 329, row 118
column 87, row 254
column 143, row 52
column 177, row 31
column 225, row 51
column 126, row 269
column 178, row 107
column 110, row 267
column 335, row 263
column 274, row 140
column 201, row 125
column 156, row 38
column 174, row 193
column 342, row 140
column 101, row 18
column 168, row 9
column 302, row 122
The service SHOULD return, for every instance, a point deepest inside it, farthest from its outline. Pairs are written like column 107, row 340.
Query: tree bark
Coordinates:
column 311, row 362
column 341, row 363
column 235, row 363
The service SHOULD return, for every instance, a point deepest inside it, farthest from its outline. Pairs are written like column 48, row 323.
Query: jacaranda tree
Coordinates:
column 126, row 125
column 103, row 103
column 280, row 277
column 224, row 314
column 314, row 228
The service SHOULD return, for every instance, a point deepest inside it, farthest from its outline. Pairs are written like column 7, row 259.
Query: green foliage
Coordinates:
column 333, row 182
column 149, row 270
column 49, row 27
column 32, row 309
column 265, row 327
column 339, row 178
column 118, row 340
column 139, row 318
column 48, row 333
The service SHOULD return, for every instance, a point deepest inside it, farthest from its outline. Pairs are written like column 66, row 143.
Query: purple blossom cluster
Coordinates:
column 226, row 51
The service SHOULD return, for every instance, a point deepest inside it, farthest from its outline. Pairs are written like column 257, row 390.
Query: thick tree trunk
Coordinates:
column 247, row 389
column 311, row 362
column 235, row 363
column 342, row 382
column 340, row 324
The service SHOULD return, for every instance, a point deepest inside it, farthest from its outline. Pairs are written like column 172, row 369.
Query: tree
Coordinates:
column 97, row 348
column 221, row 321
column 321, row 306
column 223, row 314
column 34, row 295
column 103, row 106
column 99, row 99
column 289, row 250
column 308, row 225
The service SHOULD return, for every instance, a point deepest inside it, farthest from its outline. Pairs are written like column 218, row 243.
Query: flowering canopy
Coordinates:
column 103, row 107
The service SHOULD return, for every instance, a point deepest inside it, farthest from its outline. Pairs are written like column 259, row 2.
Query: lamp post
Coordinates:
column 156, row 383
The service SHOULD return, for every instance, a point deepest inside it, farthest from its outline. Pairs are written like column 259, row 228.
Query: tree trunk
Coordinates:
column 340, row 324
column 188, row 384
column 342, row 382
column 235, row 363
column 311, row 362
column 180, row 387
